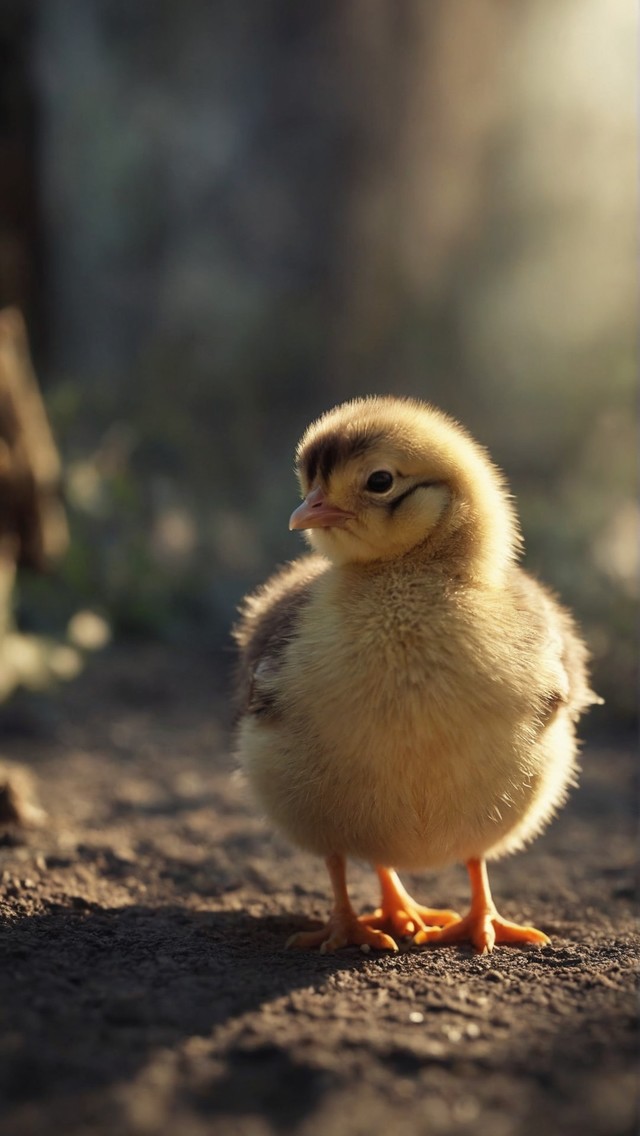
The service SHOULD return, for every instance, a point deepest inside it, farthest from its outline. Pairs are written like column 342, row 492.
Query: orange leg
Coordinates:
column 343, row 927
column 482, row 926
column 400, row 913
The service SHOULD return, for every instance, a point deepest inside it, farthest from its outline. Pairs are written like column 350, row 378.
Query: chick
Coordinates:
column 409, row 694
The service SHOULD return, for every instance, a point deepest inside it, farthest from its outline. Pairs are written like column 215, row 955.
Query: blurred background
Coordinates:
column 220, row 219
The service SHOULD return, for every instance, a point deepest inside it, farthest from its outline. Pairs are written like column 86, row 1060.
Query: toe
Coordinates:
column 303, row 940
column 437, row 917
column 483, row 935
column 507, row 932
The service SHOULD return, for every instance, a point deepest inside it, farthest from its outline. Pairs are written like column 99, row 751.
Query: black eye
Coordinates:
column 380, row 481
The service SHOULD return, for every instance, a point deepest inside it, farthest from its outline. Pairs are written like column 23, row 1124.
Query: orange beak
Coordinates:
column 316, row 513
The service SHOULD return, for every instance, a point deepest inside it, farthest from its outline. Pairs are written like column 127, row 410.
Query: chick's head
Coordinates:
column 382, row 477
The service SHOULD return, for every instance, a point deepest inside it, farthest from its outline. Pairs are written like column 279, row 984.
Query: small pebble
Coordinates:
column 365, row 948
column 472, row 1030
column 416, row 1016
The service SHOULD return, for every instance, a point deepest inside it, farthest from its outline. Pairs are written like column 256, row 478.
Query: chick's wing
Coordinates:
column 559, row 645
column 269, row 620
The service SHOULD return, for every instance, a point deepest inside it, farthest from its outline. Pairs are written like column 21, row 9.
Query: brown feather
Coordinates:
column 269, row 619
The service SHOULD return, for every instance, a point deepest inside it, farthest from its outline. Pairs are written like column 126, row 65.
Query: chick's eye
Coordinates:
column 380, row 481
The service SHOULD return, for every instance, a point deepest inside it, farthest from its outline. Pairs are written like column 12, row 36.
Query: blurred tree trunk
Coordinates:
column 21, row 243
column 33, row 529
column 424, row 82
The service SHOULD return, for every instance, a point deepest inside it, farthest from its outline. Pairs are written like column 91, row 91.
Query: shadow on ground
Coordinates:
column 144, row 985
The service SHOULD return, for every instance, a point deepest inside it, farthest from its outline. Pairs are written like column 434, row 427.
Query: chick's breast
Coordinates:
column 402, row 720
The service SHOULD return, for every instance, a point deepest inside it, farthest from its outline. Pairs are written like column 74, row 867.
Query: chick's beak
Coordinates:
column 316, row 513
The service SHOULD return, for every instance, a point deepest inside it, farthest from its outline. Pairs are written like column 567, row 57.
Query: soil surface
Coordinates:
column 144, row 984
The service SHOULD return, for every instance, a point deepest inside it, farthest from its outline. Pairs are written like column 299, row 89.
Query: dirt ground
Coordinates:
column 145, row 987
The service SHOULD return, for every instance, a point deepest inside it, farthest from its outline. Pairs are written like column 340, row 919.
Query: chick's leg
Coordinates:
column 343, row 927
column 400, row 913
column 483, row 926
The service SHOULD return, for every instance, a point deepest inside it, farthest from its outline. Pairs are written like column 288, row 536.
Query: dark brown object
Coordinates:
column 33, row 530
column 17, row 804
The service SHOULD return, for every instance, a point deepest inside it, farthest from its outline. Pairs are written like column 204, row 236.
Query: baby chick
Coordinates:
column 409, row 694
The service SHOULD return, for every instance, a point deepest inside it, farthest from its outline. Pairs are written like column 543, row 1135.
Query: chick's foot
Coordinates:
column 343, row 929
column 483, row 926
column 400, row 913
column 484, row 930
